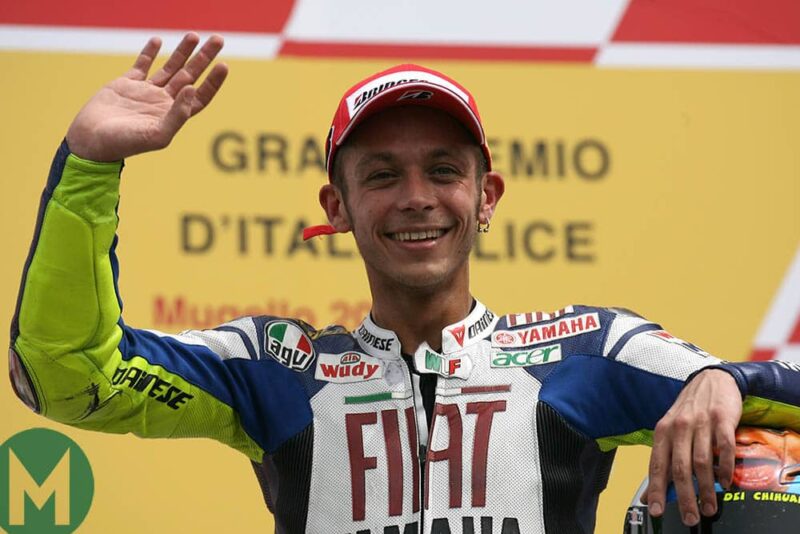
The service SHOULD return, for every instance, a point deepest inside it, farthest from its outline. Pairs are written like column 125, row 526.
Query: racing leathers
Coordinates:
column 510, row 426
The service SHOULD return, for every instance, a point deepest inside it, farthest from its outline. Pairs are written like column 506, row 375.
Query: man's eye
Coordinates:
column 380, row 175
column 444, row 170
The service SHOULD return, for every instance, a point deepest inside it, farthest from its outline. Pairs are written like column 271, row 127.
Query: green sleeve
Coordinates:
column 81, row 365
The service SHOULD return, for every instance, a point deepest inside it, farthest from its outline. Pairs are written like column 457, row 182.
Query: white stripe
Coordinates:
column 125, row 41
column 789, row 353
column 784, row 311
column 699, row 56
column 454, row 22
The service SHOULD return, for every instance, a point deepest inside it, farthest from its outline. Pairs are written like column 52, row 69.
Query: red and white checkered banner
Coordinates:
column 746, row 34
column 779, row 335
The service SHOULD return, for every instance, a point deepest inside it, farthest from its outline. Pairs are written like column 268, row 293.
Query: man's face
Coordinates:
column 761, row 454
column 413, row 196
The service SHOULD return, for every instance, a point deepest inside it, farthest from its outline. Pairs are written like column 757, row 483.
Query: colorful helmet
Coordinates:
column 764, row 496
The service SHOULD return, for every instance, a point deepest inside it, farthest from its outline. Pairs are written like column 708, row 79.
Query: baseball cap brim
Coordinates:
column 423, row 94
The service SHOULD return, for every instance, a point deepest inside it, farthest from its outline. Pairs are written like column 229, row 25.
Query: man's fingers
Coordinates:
column 703, row 462
column 177, row 115
column 655, row 495
column 195, row 67
column 145, row 59
column 176, row 60
column 726, row 444
column 682, row 471
column 209, row 87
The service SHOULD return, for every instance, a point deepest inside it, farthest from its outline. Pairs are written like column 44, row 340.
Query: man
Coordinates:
column 435, row 415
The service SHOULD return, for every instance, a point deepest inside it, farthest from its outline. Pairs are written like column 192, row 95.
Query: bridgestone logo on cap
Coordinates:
column 366, row 92
column 288, row 345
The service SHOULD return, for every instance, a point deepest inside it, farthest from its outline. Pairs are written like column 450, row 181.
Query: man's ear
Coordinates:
column 332, row 201
column 493, row 188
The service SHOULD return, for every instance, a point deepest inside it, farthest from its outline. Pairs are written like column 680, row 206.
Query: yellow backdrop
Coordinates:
column 673, row 193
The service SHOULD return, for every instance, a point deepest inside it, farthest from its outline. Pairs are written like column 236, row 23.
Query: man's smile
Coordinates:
column 418, row 235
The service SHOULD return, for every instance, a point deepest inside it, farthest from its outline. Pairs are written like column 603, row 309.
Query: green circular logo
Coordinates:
column 46, row 483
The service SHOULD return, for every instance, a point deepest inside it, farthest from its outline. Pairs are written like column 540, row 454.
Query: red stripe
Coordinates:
column 231, row 15
column 411, row 423
column 480, row 449
column 359, row 462
column 711, row 21
column 394, row 460
column 795, row 337
column 407, row 52
column 486, row 389
column 760, row 355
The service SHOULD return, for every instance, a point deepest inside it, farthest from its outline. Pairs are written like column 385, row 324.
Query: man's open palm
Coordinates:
column 135, row 114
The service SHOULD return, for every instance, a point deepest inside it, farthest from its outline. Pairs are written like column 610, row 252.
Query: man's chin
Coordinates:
column 420, row 276
column 421, row 281
column 424, row 278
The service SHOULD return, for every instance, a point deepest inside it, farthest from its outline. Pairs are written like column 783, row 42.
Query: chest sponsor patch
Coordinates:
column 533, row 335
column 288, row 345
column 524, row 358
column 348, row 367
column 448, row 366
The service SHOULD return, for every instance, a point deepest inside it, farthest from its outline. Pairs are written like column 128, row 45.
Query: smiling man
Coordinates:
column 435, row 415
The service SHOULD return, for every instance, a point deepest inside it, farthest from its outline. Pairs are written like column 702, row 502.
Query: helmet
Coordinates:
column 764, row 496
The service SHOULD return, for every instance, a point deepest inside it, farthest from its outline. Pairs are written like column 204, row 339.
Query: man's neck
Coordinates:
column 417, row 316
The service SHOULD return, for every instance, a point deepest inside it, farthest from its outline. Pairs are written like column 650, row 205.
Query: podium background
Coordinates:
column 678, row 183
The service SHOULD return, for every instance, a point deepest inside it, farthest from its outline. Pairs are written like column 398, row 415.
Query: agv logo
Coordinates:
column 289, row 345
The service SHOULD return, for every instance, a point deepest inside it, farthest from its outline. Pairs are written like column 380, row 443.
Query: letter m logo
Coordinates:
column 21, row 483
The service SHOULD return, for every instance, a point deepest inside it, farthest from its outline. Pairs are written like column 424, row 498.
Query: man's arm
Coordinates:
column 647, row 387
column 703, row 421
column 72, row 357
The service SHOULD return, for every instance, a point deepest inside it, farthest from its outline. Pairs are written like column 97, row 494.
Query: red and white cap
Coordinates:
column 402, row 85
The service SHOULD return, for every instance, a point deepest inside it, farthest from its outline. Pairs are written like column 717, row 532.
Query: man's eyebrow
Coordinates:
column 389, row 157
column 375, row 157
column 442, row 153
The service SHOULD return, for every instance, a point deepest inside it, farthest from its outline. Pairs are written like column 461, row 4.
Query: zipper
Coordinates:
column 422, row 437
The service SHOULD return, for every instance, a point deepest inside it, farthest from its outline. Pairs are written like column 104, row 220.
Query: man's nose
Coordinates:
column 416, row 193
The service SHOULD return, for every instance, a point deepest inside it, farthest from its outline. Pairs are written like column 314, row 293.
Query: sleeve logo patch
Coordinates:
column 287, row 344
column 524, row 358
column 533, row 335
column 348, row 367
column 669, row 338
column 142, row 381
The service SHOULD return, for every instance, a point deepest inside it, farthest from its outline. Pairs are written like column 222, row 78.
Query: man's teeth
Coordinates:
column 417, row 236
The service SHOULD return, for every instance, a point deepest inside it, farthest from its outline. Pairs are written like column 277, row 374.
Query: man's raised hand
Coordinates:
column 135, row 114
